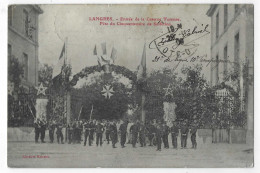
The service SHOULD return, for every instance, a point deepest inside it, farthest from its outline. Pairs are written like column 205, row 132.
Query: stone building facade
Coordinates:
column 232, row 51
column 23, row 39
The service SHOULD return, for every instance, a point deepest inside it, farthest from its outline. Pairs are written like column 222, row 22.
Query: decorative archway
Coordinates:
column 117, row 69
column 106, row 96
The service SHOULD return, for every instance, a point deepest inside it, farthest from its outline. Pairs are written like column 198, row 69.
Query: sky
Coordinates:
column 72, row 21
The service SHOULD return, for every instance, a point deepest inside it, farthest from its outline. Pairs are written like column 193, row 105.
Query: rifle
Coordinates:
column 91, row 112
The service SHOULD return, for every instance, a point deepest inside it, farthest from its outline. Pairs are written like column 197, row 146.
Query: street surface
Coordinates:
column 76, row 155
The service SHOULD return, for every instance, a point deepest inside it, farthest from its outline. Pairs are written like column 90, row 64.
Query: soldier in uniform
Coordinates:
column 74, row 132
column 159, row 134
column 193, row 132
column 165, row 130
column 174, row 132
column 43, row 124
column 37, row 128
column 92, row 130
column 78, row 132
column 99, row 133
column 134, row 129
column 184, row 135
column 70, row 132
column 59, row 133
column 107, row 131
column 129, row 135
column 51, row 130
column 151, row 133
column 86, row 128
column 113, row 133
column 123, row 131
column 142, row 132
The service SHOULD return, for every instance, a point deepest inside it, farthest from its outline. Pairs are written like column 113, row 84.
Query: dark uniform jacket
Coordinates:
column 70, row 128
column 174, row 130
column 78, row 129
column 134, row 129
column 113, row 131
column 86, row 127
column 159, row 130
column 92, row 127
column 165, row 130
column 37, row 125
column 51, row 127
column 43, row 125
column 193, row 131
column 184, row 130
column 59, row 129
column 112, row 128
column 142, row 129
column 123, row 128
column 107, row 127
column 99, row 128
column 151, row 129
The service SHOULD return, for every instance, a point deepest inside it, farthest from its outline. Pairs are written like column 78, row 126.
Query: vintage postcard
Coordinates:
column 131, row 86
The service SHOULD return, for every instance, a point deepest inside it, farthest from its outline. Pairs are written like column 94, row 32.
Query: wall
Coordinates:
column 250, row 93
column 26, row 134
column 242, row 22
column 229, row 136
column 236, row 23
column 22, row 44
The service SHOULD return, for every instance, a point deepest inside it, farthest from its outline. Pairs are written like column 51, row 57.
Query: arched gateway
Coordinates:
column 106, row 92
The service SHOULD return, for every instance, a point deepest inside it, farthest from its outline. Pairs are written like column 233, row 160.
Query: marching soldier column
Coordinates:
column 156, row 132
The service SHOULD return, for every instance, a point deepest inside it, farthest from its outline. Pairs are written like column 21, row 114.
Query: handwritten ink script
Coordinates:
column 179, row 44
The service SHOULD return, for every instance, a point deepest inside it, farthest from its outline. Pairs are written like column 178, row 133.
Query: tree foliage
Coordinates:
column 156, row 83
column 20, row 109
column 45, row 75
column 58, row 88
column 15, row 72
column 194, row 98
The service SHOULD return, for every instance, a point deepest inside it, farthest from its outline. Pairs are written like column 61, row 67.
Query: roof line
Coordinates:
column 211, row 9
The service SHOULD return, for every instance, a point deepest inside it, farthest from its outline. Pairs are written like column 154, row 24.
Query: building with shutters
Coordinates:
column 23, row 39
column 232, row 51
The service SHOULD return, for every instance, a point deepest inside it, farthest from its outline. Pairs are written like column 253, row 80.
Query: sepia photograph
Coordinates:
column 130, row 86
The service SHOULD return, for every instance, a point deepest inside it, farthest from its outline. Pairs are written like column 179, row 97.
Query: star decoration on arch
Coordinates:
column 41, row 89
column 168, row 91
column 107, row 91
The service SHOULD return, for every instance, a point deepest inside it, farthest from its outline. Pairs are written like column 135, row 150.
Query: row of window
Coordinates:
column 225, row 18
column 28, row 28
column 225, row 56
column 25, row 62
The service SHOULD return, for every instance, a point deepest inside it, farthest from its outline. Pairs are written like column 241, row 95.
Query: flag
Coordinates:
column 80, row 112
column 113, row 55
column 90, row 116
column 95, row 53
column 95, row 50
column 106, row 61
column 57, row 68
column 104, row 48
column 101, row 57
column 141, row 73
column 31, row 111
